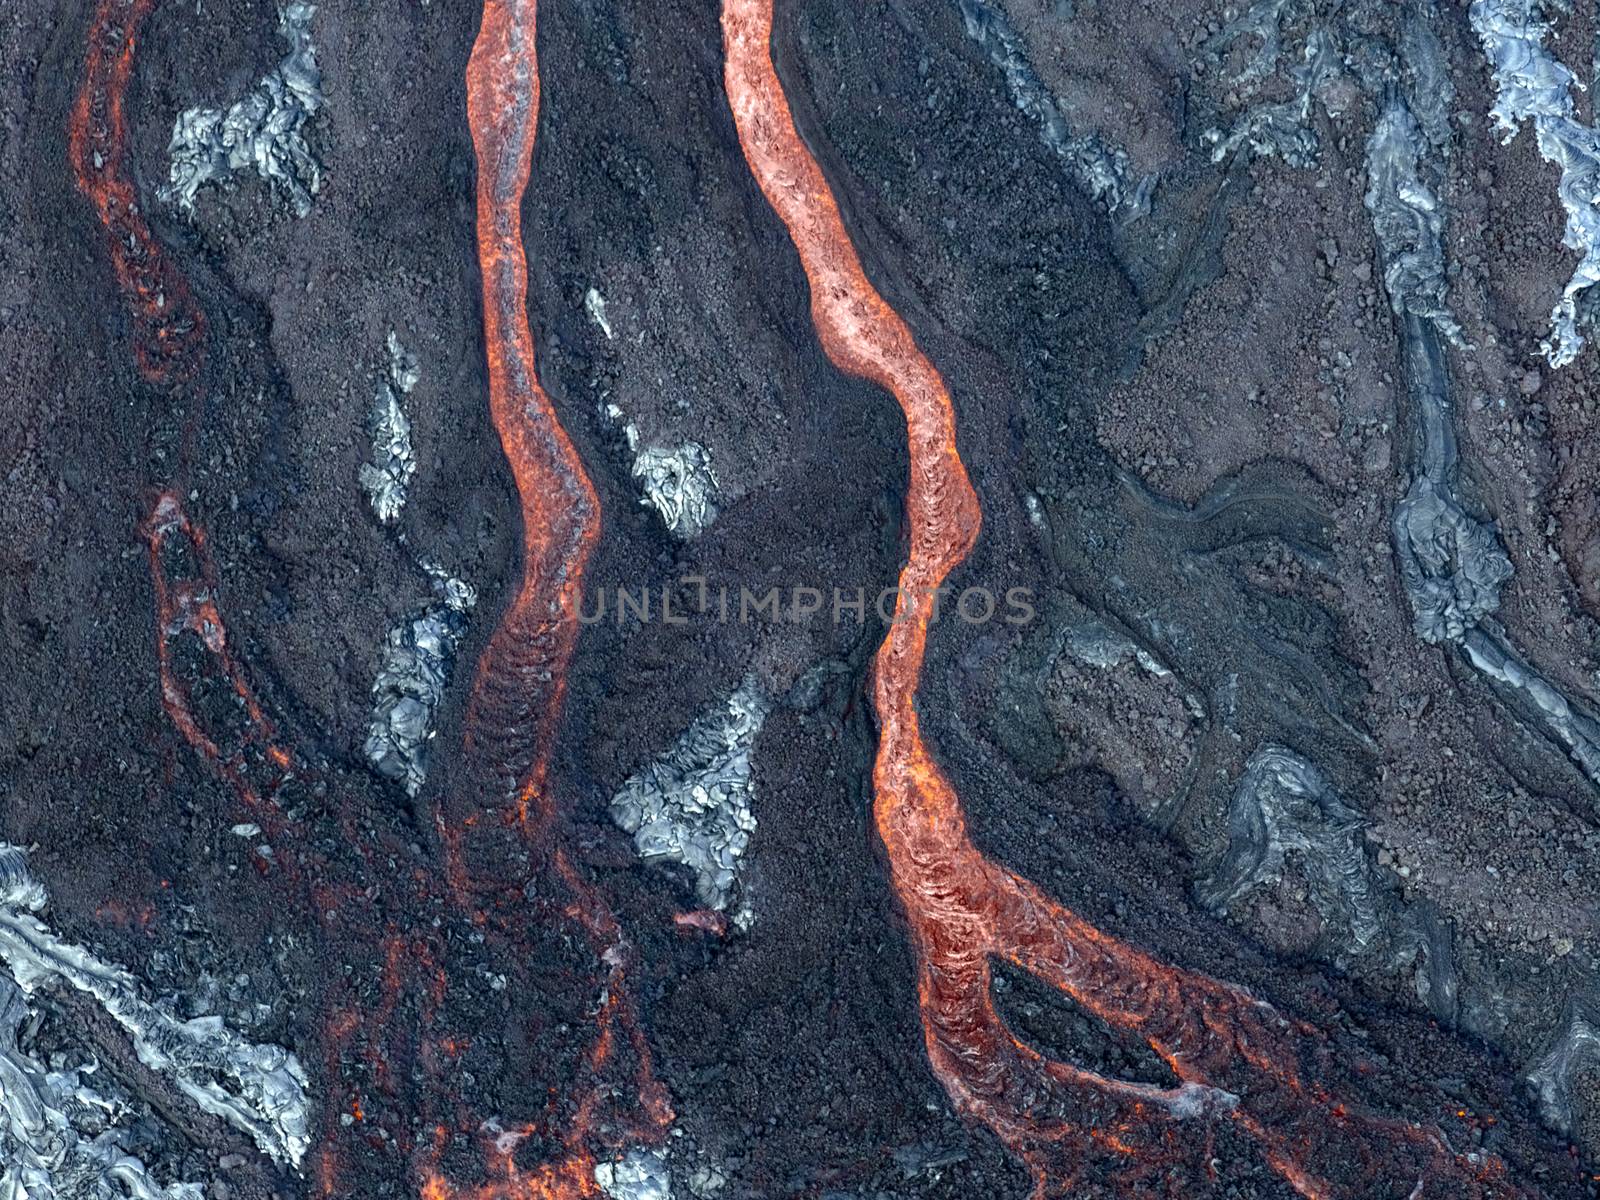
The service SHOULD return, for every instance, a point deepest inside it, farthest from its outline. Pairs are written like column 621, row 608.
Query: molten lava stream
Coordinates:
column 522, row 675
column 517, row 692
column 168, row 328
column 1236, row 1059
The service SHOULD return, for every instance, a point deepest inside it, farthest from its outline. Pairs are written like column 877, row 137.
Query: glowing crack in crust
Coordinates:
column 253, row 762
column 259, row 1089
column 1235, row 1058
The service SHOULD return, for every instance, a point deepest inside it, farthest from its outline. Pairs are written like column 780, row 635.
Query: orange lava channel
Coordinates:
column 1236, row 1059
column 521, row 678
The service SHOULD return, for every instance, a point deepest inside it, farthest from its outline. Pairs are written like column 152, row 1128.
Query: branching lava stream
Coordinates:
column 1236, row 1059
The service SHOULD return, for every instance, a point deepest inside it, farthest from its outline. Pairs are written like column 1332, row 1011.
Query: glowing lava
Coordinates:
column 185, row 581
column 1237, row 1059
column 515, row 700
column 521, row 678
column 512, row 713
column 168, row 328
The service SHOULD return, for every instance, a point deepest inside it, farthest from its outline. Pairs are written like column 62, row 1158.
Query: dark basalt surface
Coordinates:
column 1189, row 433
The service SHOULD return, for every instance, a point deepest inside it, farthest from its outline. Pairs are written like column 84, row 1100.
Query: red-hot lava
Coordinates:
column 516, row 697
column 224, row 722
column 1236, row 1059
column 167, row 327
column 403, row 1038
column 522, row 676
column 252, row 760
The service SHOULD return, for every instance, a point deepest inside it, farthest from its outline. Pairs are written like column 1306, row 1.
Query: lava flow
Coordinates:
column 168, row 328
column 1235, row 1058
column 512, row 712
column 522, row 676
column 516, row 697
column 185, row 581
